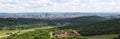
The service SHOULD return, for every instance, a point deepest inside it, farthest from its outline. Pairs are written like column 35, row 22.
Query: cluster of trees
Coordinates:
column 21, row 23
column 117, row 37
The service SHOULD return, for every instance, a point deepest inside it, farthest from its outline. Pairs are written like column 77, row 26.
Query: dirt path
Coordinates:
column 4, row 36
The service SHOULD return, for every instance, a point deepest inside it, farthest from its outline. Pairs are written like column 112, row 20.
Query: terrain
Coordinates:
column 89, row 27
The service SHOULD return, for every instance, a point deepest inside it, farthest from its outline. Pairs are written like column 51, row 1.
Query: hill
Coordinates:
column 81, row 20
column 104, row 27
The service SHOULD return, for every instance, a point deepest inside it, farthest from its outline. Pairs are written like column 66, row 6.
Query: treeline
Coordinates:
column 82, row 20
column 21, row 23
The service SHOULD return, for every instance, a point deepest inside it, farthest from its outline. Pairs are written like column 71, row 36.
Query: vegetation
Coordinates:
column 42, row 34
column 81, row 20
column 117, row 37
column 86, row 26
column 107, row 36
column 104, row 27
column 21, row 23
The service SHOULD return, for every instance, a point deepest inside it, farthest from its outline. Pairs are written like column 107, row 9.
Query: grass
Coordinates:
column 3, row 32
column 110, row 36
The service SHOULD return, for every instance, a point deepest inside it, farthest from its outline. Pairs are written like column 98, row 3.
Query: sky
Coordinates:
column 59, row 5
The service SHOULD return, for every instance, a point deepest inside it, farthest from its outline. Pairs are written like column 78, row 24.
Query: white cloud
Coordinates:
column 59, row 5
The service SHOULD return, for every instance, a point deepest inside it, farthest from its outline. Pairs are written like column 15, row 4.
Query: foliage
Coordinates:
column 104, row 27
column 117, row 37
column 42, row 34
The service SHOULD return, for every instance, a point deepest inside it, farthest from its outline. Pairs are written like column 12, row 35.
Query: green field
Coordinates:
column 109, row 36
column 4, row 33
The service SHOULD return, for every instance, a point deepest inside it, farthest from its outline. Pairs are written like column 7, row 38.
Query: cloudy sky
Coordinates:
column 59, row 5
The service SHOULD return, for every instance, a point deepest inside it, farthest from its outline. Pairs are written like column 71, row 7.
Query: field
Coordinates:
column 109, row 36
column 3, row 33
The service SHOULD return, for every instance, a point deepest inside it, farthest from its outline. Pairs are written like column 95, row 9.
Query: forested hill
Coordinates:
column 82, row 20
column 104, row 27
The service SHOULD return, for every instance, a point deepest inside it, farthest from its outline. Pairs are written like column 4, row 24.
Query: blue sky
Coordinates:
column 59, row 5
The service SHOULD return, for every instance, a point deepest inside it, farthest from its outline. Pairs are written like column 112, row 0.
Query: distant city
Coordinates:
column 45, row 15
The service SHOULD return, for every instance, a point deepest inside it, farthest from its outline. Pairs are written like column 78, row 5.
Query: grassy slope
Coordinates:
column 3, row 32
column 109, row 36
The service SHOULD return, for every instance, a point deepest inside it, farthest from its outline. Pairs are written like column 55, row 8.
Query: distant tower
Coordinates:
column 45, row 14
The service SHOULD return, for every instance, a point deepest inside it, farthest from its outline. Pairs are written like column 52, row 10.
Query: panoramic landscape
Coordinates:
column 59, row 19
column 59, row 26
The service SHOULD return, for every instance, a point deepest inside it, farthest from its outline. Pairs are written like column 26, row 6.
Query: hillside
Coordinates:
column 21, row 23
column 104, row 27
column 82, row 20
